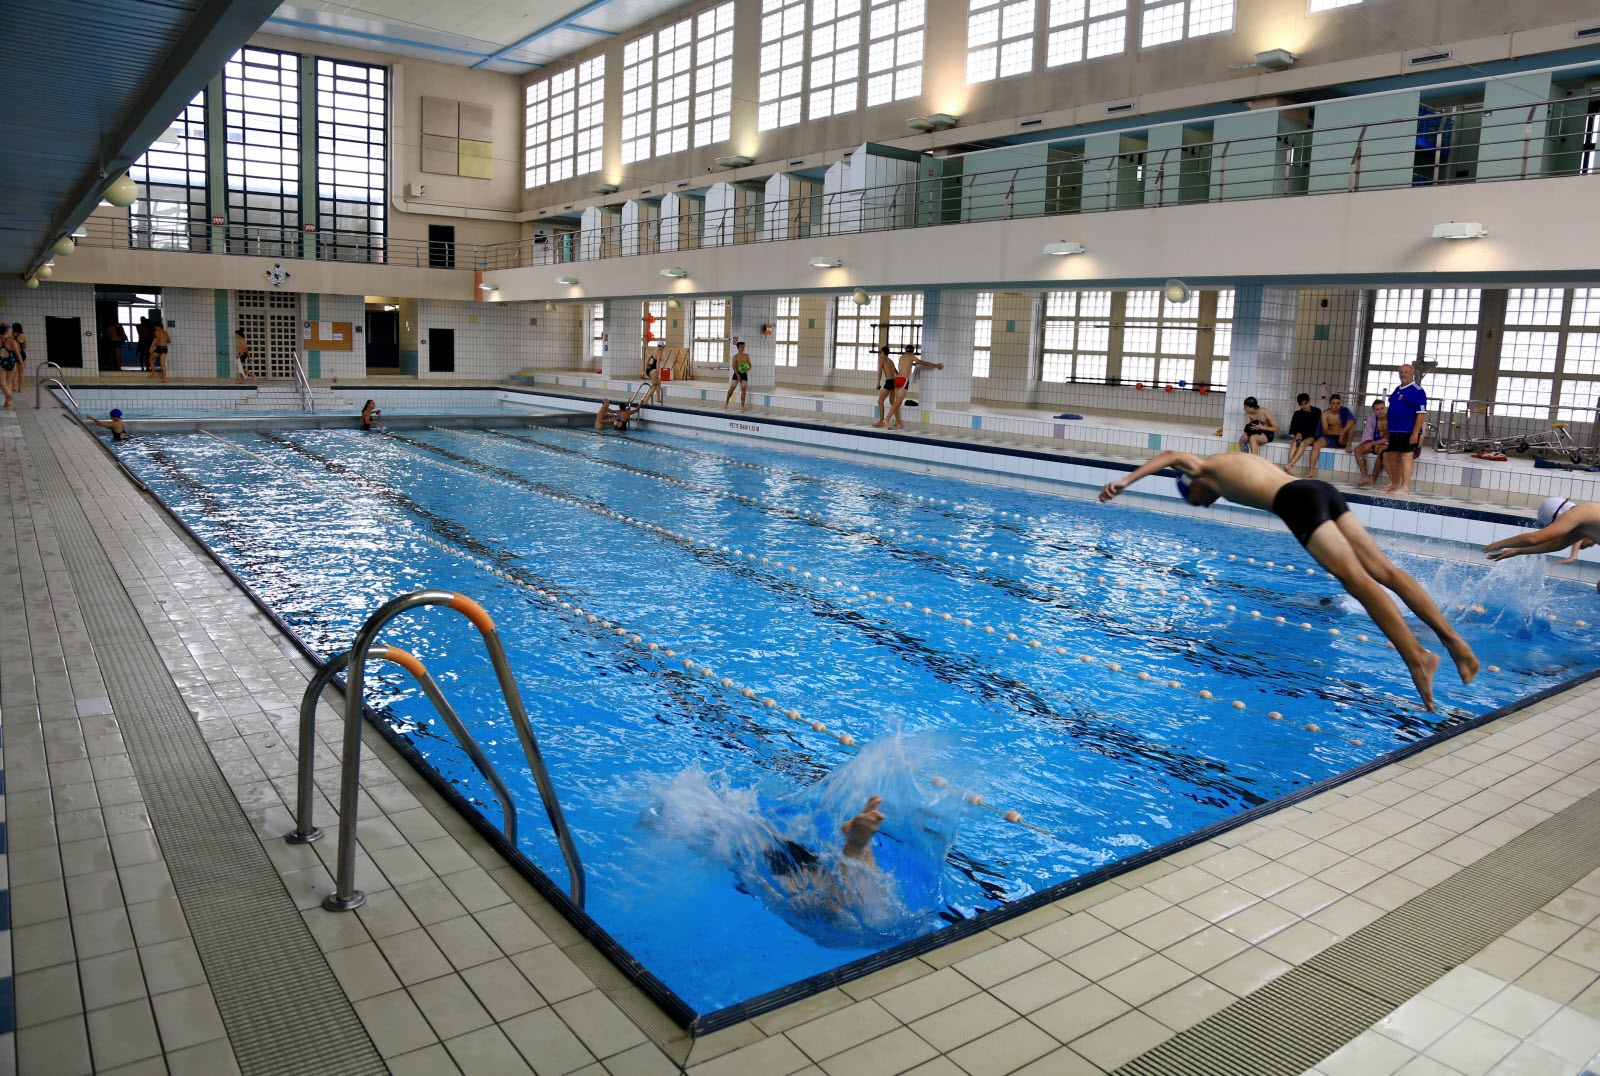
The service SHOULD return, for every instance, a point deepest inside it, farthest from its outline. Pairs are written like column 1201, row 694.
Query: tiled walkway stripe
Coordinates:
column 283, row 1008
column 1309, row 1012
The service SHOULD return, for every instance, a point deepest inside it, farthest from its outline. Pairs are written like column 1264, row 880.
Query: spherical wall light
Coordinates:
column 122, row 192
column 860, row 297
column 44, row 272
column 1176, row 291
column 550, row 308
column 66, row 245
column 673, row 304
column 31, row 282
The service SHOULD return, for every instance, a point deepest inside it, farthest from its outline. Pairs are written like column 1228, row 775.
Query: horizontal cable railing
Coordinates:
column 271, row 241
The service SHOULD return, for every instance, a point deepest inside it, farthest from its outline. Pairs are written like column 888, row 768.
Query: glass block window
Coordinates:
column 638, row 98
column 1085, row 30
column 710, row 330
column 783, row 54
column 1550, row 354
column 1159, row 338
column 1222, row 340
column 1438, row 325
column 855, row 333
column 894, row 51
column 352, row 154
column 1175, row 21
column 565, row 117
column 1077, row 336
column 261, row 92
column 713, row 75
column 674, row 70
column 999, row 39
column 171, row 212
column 835, row 68
column 597, row 331
column 983, row 334
column 786, row 331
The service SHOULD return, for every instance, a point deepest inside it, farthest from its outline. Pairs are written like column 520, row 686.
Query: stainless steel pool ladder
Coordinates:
column 39, row 385
column 345, row 895
column 303, row 383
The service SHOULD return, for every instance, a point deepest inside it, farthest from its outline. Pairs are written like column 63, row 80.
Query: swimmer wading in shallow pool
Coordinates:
column 1317, row 515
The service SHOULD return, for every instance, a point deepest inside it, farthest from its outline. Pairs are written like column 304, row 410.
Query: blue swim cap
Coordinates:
column 1183, row 486
column 116, row 412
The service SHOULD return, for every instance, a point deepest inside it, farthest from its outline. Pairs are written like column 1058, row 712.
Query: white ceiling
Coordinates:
column 513, row 36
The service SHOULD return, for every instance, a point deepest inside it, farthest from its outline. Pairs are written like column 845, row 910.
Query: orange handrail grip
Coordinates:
column 474, row 612
column 403, row 658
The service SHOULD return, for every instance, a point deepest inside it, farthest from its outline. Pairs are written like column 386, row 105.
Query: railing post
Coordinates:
column 1527, row 137
column 1355, row 159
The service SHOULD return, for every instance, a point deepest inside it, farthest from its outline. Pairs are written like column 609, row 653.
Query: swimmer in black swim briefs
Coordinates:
column 1331, row 533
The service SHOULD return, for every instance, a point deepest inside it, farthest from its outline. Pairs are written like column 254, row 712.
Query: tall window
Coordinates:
column 710, row 330
column 855, row 333
column 1439, row 326
column 1077, row 336
column 999, row 39
column 983, row 334
column 894, row 51
column 1184, row 18
column 261, row 89
column 1159, row 338
column 638, row 97
column 1222, row 340
column 352, row 151
column 597, row 331
column 1550, row 354
column 783, row 54
column 786, row 331
column 674, row 69
column 171, row 213
column 565, row 124
column 713, row 75
column 835, row 57
column 1085, row 30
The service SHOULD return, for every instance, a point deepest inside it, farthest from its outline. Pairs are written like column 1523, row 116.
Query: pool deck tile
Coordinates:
column 457, row 964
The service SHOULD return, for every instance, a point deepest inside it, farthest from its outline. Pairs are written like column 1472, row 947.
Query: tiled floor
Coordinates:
column 457, row 964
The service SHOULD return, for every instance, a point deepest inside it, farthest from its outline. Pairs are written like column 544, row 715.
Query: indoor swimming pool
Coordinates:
column 726, row 649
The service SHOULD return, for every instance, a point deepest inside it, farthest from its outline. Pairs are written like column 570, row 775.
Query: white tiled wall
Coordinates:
column 190, row 314
column 495, row 340
column 31, row 306
column 344, row 364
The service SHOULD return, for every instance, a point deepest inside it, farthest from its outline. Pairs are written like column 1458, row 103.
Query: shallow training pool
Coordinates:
column 1073, row 668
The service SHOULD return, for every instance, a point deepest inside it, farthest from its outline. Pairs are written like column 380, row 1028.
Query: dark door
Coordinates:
column 441, row 246
column 63, row 341
column 383, row 339
column 442, row 351
column 105, row 316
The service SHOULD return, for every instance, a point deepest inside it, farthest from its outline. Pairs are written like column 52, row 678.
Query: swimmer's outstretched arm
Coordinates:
column 859, row 831
column 1548, row 540
column 1186, row 462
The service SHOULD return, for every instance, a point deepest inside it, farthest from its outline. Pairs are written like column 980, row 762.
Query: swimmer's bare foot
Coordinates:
column 859, row 831
column 1311, row 473
column 1366, row 480
column 1422, row 671
column 1466, row 661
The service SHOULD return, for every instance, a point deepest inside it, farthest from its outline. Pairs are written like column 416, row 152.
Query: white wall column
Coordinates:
column 947, row 324
column 624, row 339
column 747, row 315
column 1261, row 362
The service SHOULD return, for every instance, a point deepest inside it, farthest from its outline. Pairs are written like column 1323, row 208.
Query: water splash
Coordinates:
column 786, row 849
column 1513, row 596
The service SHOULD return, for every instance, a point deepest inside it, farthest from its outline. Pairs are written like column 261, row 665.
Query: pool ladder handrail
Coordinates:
column 38, row 387
column 303, row 383
column 345, row 895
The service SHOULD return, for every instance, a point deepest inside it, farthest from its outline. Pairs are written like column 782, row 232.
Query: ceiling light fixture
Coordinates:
column 1062, row 249
column 1275, row 59
column 604, row 188
column 737, row 160
column 486, row 286
column 1469, row 229
column 938, row 121
column 822, row 261
column 675, row 271
column 566, row 280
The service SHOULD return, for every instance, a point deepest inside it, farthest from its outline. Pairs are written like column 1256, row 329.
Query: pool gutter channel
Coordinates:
column 673, row 1006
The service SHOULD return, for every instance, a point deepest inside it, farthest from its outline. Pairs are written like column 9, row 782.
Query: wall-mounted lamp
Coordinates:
column 1275, row 59
column 673, row 304
column 737, row 160
column 550, row 308
column 675, row 271
column 1176, row 291
column 486, row 286
column 860, row 297
column 939, row 121
column 569, row 280
column 822, row 261
column 1061, row 250
column 1470, row 229
column 604, row 188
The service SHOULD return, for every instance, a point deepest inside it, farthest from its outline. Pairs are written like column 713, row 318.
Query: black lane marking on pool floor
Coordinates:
column 1205, row 653
column 964, row 672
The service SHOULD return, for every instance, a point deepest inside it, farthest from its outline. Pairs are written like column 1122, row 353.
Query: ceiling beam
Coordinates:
column 590, row 30
column 219, row 28
column 563, row 23
column 368, row 35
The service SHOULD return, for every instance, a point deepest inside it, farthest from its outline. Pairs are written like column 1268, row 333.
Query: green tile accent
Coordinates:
column 1155, row 441
column 1320, row 332
column 313, row 313
column 1011, row 325
column 219, row 315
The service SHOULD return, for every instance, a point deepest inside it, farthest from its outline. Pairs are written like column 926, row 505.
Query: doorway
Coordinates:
column 271, row 324
column 383, row 339
column 441, row 351
column 441, row 246
column 63, row 341
column 128, row 307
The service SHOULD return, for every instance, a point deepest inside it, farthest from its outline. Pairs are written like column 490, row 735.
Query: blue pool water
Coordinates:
column 770, row 569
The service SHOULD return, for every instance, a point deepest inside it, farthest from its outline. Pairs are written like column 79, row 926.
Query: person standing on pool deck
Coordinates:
column 241, row 354
column 909, row 360
column 1408, row 406
column 886, row 377
column 738, row 376
column 652, row 372
column 160, row 341
column 1318, row 517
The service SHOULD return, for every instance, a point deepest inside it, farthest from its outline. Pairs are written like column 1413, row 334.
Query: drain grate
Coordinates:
column 1310, row 1011
column 283, row 1009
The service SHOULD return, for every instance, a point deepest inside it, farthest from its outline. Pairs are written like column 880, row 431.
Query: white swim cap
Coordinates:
column 1550, row 509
